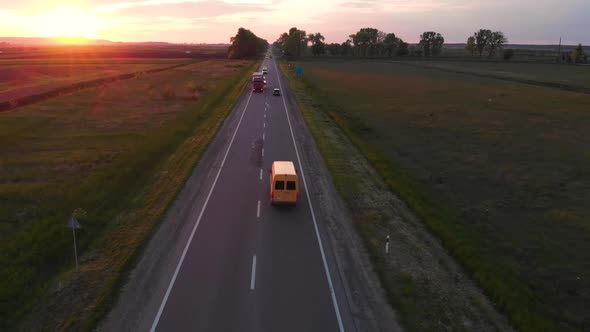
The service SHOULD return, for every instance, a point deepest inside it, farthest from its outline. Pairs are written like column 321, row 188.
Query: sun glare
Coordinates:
column 68, row 24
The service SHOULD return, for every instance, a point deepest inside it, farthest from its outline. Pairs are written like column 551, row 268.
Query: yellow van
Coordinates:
column 284, row 185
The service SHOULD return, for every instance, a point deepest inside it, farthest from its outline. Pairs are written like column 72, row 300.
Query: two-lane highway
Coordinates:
column 248, row 265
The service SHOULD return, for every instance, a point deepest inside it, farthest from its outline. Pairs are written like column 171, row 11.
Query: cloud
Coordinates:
column 211, row 8
column 522, row 21
column 358, row 4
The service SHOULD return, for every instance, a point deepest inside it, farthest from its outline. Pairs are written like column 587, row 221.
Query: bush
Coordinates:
column 193, row 87
column 508, row 54
column 168, row 93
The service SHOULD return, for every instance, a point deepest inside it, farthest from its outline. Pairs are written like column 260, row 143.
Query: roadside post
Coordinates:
column 387, row 244
column 73, row 224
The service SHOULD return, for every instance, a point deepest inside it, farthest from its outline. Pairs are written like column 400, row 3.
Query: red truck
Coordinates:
column 258, row 82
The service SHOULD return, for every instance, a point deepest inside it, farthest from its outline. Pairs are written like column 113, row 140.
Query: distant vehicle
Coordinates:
column 276, row 92
column 258, row 82
column 266, row 57
column 284, row 184
column 264, row 70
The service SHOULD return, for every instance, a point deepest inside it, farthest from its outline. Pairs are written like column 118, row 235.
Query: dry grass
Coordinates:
column 24, row 79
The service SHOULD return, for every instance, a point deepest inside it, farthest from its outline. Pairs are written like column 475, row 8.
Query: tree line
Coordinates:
column 365, row 42
column 374, row 42
column 371, row 42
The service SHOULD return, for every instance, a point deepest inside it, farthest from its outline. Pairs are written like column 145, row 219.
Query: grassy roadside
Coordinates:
column 125, row 187
column 407, row 291
column 422, row 287
column 158, row 196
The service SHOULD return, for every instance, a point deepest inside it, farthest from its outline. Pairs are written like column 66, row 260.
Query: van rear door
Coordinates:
column 285, row 189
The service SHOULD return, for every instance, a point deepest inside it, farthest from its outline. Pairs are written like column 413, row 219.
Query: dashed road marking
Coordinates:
column 190, row 239
column 258, row 210
column 253, row 275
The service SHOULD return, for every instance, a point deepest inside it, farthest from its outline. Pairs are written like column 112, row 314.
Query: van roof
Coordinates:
column 284, row 167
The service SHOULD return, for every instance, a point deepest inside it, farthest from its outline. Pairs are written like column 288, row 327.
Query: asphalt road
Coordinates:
column 248, row 265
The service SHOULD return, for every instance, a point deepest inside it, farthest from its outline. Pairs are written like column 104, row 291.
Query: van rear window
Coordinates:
column 279, row 185
column 291, row 185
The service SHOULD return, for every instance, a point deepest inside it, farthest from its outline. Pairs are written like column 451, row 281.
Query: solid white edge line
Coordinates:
column 258, row 209
column 315, row 224
column 253, row 275
column 165, row 299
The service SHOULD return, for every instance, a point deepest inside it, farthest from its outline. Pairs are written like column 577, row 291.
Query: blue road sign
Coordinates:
column 73, row 223
column 299, row 70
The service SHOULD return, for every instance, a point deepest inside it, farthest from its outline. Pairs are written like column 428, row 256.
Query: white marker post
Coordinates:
column 387, row 244
column 73, row 224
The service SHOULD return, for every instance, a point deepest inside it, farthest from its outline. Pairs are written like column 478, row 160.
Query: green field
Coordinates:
column 575, row 76
column 497, row 170
column 120, row 152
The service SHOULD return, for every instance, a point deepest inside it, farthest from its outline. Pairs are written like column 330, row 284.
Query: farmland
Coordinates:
column 496, row 170
column 572, row 76
column 120, row 152
column 24, row 78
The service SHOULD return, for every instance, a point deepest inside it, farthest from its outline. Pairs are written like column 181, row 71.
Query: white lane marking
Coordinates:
column 315, row 224
column 265, row 116
column 253, row 275
column 263, row 152
column 263, row 136
column 258, row 210
column 165, row 299
column 261, row 174
column 264, row 125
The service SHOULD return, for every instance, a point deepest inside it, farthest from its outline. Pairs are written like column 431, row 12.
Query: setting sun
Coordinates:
column 68, row 22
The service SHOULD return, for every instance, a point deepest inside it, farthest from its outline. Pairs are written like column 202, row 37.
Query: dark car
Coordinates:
column 276, row 92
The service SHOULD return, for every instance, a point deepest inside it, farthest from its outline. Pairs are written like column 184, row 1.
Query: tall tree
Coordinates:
column 470, row 45
column 482, row 39
column 391, row 43
column 346, row 47
column 486, row 40
column 578, row 55
column 496, row 41
column 403, row 48
column 318, row 47
column 246, row 44
column 293, row 43
column 431, row 43
column 365, row 41
column 334, row 48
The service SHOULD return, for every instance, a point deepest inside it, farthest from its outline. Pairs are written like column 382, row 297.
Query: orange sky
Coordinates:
column 214, row 21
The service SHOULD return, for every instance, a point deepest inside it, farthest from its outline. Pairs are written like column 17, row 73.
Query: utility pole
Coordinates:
column 559, row 51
